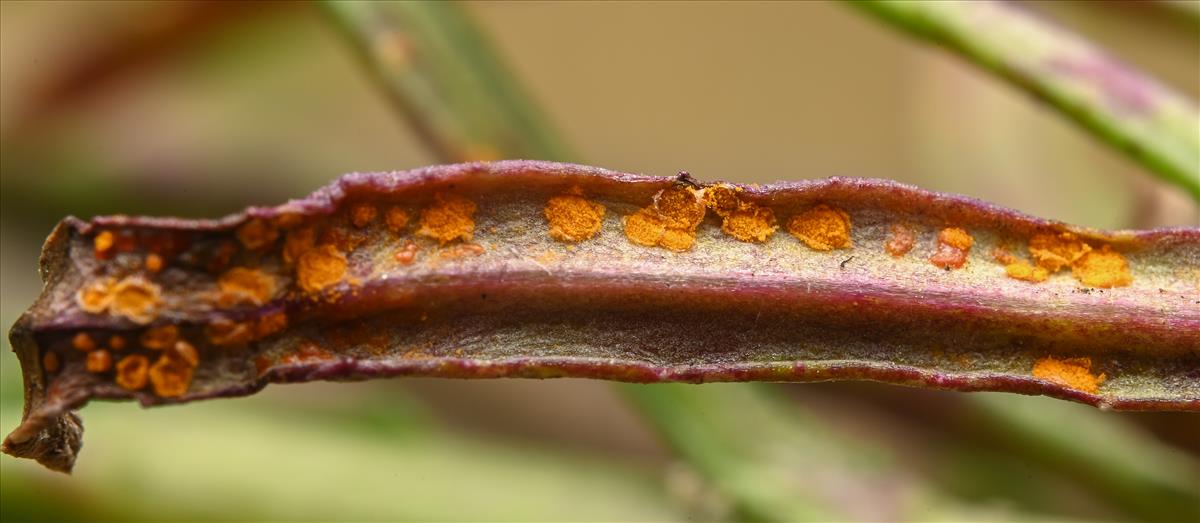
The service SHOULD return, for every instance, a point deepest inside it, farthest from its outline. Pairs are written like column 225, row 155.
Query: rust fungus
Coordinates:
column 99, row 361
column 396, row 219
column 102, row 244
column 185, row 352
column 288, row 220
column 257, row 234
column 822, row 228
column 1104, row 268
column 159, row 337
column 448, row 218
column 50, row 362
column 1055, row 251
column 136, row 298
column 1023, row 270
column 464, row 250
column 96, row 296
column 131, row 372
column 952, row 248
column 901, row 239
column 270, row 323
column 1075, row 373
column 320, row 267
column 669, row 222
column 220, row 256
column 741, row 219
column 117, row 342
column 362, row 214
column 171, row 376
column 297, row 242
column 83, row 342
column 408, row 253
column 225, row 332
column 573, row 218
column 153, row 263
column 245, row 285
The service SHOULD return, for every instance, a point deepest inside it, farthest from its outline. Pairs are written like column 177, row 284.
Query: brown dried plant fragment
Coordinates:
column 499, row 295
column 573, row 218
column 1075, row 373
column 448, row 218
column 822, row 228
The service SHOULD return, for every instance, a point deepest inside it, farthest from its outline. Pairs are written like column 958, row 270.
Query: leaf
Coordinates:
column 538, row 270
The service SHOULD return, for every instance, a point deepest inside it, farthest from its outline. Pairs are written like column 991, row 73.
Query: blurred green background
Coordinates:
column 200, row 109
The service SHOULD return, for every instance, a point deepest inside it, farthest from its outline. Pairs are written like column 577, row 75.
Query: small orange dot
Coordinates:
column 83, row 342
column 99, row 361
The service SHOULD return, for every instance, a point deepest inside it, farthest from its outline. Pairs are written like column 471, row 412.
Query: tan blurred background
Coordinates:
column 202, row 109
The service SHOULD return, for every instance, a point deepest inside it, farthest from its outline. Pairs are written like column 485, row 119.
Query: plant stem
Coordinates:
column 1152, row 125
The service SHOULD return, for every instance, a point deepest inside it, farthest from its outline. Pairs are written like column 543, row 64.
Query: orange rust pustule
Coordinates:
column 98, row 361
column 953, row 246
column 136, row 298
column 1075, row 373
column 396, row 219
column 743, row 220
column 83, row 342
column 1056, row 251
column 132, row 372
column 257, row 234
column 186, row 352
column 171, row 376
column 1023, row 270
column 245, row 285
column 362, row 214
column 408, row 253
column 270, row 324
column 822, row 228
column 448, row 218
column 117, row 342
column 297, row 242
column 669, row 222
column 153, row 263
column 901, row 239
column 1104, row 268
column 102, row 245
column 160, row 337
column 96, row 296
column 573, row 218
column 227, row 333
column 319, row 268
column 51, row 362
column 465, row 250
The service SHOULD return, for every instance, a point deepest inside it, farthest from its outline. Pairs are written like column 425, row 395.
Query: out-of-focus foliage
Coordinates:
column 799, row 90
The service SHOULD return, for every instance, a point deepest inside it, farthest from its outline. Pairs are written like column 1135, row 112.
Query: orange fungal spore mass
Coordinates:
column 1104, row 268
column 822, row 228
column 320, row 267
column 50, row 362
column 396, row 219
column 245, row 285
column 573, row 218
column 669, row 222
column 1055, row 251
column 448, row 218
column 952, row 248
column 362, row 214
column 1075, row 373
column 83, row 342
column 132, row 372
column 103, row 243
column 136, row 298
column 96, row 296
column 257, row 233
column 743, row 220
column 160, row 337
column 170, row 376
column 901, row 239
column 98, row 361
column 297, row 242
column 1023, row 270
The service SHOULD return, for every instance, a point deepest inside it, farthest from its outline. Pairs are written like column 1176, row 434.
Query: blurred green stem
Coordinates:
column 435, row 67
column 1144, row 120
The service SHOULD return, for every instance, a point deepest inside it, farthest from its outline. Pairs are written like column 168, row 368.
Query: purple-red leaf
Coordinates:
column 538, row 270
